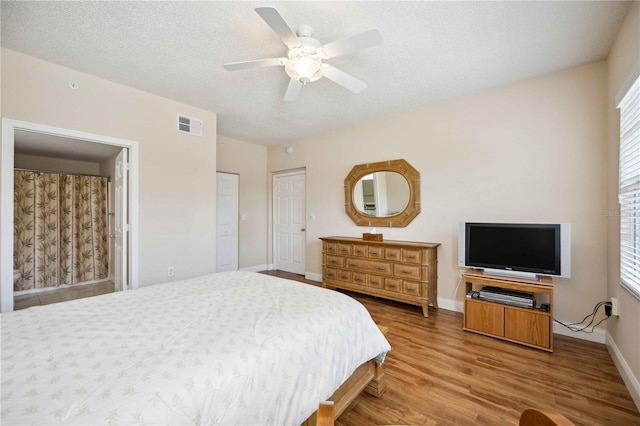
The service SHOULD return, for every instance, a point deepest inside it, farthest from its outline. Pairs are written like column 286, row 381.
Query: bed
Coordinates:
column 226, row 348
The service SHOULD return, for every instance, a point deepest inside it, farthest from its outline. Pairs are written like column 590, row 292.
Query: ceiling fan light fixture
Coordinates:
column 304, row 65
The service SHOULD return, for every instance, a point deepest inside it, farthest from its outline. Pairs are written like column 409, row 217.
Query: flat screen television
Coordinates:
column 519, row 249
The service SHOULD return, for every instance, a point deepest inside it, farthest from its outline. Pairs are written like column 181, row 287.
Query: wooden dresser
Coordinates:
column 404, row 271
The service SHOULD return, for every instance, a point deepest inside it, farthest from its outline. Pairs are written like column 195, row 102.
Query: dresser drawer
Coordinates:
column 376, row 252
column 359, row 278
column 392, row 253
column 335, row 260
column 331, row 273
column 369, row 265
column 345, row 275
column 412, row 288
column 330, row 247
column 393, row 284
column 412, row 256
column 343, row 249
column 375, row 281
column 360, row 250
column 406, row 271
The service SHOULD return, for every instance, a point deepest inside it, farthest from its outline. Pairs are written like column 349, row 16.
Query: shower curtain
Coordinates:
column 60, row 229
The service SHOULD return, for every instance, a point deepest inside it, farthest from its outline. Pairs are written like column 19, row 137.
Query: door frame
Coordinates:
column 274, row 243
column 7, row 147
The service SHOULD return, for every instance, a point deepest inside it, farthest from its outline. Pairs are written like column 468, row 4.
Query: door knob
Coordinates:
column 303, row 229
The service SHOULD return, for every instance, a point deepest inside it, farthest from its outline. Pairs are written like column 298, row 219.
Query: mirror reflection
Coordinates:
column 381, row 194
column 386, row 193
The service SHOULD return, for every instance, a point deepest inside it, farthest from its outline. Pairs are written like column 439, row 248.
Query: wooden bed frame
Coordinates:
column 369, row 377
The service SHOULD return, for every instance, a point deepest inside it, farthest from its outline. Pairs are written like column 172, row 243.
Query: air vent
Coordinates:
column 190, row 125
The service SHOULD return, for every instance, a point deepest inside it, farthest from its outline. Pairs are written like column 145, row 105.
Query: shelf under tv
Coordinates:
column 527, row 326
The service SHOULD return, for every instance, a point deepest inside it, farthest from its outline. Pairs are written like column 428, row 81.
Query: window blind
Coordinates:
column 629, row 195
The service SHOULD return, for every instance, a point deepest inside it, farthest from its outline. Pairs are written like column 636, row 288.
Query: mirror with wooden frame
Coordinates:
column 385, row 194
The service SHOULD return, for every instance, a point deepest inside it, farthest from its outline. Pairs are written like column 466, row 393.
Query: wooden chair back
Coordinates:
column 543, row 417
column 325, row 414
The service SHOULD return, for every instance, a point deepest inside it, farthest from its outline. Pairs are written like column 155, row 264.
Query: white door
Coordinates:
column 289, row 222
column 121, row 223
column 227, row 222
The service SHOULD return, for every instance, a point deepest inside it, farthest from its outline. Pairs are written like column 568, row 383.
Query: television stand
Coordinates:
column 526, row 326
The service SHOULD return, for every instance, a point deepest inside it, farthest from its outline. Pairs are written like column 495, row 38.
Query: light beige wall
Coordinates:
column 534, row 151
column 59, row 165
column 623, row 63
column 249, row 161
column 176, row 171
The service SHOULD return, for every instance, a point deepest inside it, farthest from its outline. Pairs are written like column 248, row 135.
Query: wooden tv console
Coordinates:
column 403, row 271
column 531, row 327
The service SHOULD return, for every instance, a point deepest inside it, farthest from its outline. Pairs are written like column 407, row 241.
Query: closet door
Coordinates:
column 228, row 186
column 289, row 222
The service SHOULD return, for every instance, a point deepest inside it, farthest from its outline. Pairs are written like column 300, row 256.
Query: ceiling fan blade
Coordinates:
column 343, row 79
column 352, row 43
column 271, row 62
column 279, row 26
column 293, row 89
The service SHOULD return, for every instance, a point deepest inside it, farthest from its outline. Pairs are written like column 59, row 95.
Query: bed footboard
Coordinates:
column 369, row 377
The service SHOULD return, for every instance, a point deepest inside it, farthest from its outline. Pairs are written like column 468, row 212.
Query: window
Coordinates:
column 630, row 189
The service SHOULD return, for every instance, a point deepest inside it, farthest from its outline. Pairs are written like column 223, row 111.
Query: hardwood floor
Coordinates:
column 438, row 374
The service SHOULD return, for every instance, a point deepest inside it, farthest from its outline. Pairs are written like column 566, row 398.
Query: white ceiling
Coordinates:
column 433, row 51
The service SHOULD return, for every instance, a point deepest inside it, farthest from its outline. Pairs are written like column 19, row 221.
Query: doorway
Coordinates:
column 74, row 140
column 289, row 222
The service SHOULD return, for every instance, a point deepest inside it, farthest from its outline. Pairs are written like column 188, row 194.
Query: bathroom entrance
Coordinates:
column 51, row 156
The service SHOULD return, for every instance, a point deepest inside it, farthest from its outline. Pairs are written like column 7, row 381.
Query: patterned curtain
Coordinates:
column 60, row 229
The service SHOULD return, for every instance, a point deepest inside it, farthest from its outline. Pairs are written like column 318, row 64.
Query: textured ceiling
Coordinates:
column 433, row 51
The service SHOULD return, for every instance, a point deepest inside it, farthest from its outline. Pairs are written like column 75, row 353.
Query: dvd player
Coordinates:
column 507, row 297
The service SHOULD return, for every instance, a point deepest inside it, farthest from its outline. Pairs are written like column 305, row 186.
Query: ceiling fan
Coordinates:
column 304, row 62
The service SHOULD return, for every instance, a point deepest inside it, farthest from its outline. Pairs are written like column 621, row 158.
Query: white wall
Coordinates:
column 528, row 152
column 624, row 343
column 249, row 161
column 177, row 172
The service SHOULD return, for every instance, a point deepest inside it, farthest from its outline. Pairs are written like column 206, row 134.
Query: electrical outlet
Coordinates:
column 615, row 307
column 171, row 271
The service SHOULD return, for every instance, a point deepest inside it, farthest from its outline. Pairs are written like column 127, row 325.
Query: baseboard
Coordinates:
column 632, row 383
column 313, row 276
column 451, row 305
column 256, row 268
column 598, row 335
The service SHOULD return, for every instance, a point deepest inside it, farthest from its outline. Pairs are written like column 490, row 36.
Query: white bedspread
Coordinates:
column 232, row 348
